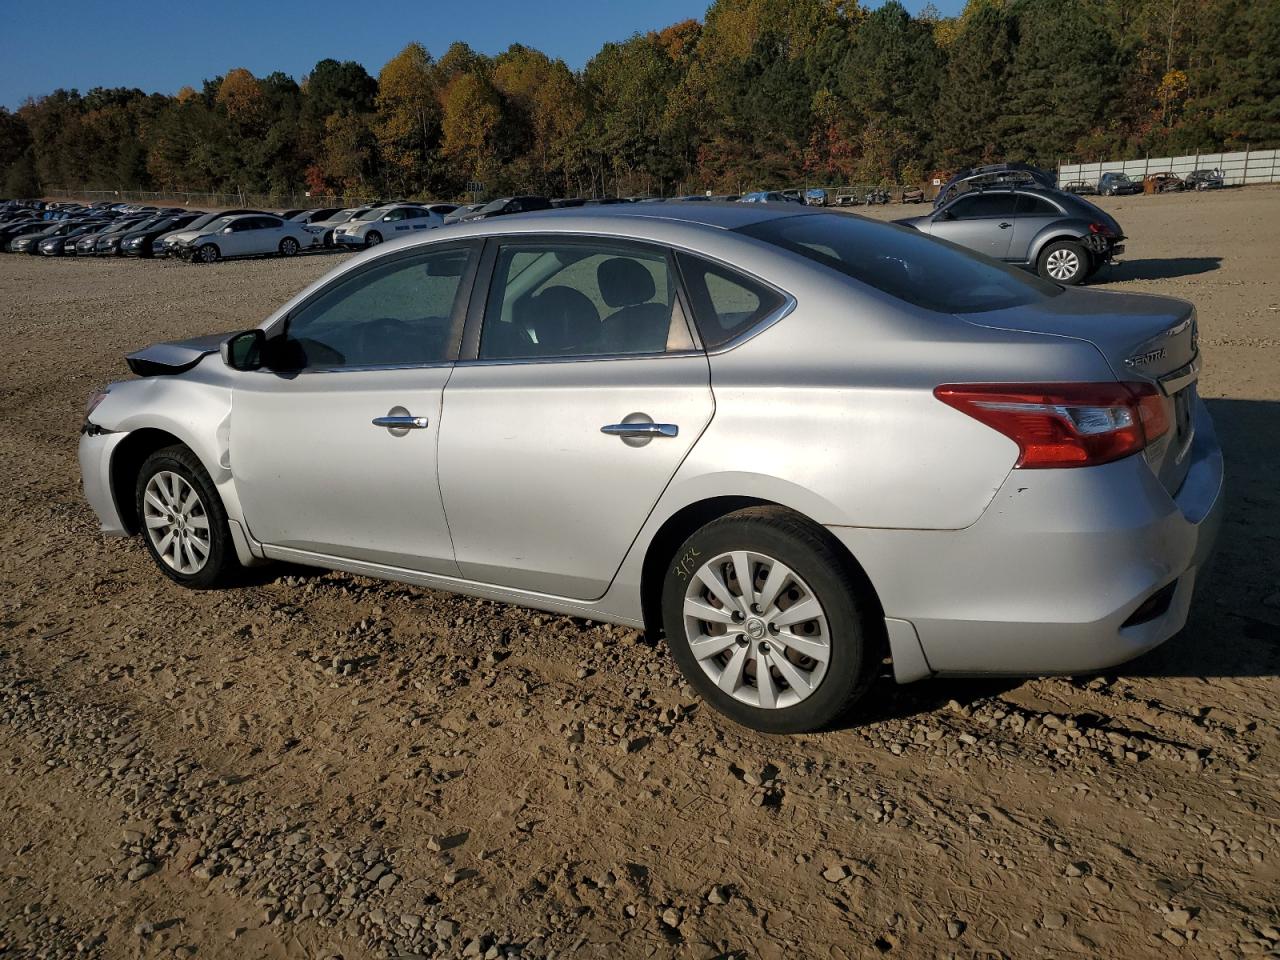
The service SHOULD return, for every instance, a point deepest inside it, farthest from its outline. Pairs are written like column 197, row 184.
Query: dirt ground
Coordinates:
column 318, row 765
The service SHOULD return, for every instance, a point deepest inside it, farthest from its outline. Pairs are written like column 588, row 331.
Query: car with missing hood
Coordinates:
column 1113, row 183
column 167, row 244
column 1059, row 235
column 1205, row 180
column 798, row 444
column 386, row 223
column 246, row 235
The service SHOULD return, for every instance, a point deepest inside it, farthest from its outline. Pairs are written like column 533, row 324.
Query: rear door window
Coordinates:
column 1031, row 206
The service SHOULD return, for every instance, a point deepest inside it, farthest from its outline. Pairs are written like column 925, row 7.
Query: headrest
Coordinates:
column 561, row 317
column 624, row 282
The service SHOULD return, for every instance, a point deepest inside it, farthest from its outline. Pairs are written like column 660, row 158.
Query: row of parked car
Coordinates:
column 1113, row 184
column 107, row 229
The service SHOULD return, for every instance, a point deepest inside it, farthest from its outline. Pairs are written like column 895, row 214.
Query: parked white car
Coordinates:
column 247, row 235
column 386, row 223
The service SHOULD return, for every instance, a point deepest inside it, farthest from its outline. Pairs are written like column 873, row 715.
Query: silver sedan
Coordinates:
column 798, row 444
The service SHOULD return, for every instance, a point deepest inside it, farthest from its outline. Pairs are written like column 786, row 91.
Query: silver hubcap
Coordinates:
column 176, row 522
column 207, row 254
column 373, row 239
column 1063, row 264
column 756, row 629
column 288, row 247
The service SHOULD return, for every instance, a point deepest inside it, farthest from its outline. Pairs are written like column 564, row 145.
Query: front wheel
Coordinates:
column 767, row 623
column 183, row 521
column 1063, row 261
column 207, row 253
column 288, row 247
column 373, row 238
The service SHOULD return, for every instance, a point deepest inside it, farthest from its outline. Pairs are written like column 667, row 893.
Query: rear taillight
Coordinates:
column 1065, row 424
column 1101, row 229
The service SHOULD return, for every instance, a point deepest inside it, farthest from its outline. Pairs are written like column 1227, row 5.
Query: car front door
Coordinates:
column 333, row 447
column 980, row 221
column 579, row 393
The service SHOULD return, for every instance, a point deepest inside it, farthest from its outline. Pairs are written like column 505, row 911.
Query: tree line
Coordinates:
column 759, row 93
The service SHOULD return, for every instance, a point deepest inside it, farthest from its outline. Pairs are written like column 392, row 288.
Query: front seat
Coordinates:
column 637, row 325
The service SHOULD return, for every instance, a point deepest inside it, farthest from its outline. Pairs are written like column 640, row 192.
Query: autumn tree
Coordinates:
column 472, row 114
column 408, row 119
column 974, row 89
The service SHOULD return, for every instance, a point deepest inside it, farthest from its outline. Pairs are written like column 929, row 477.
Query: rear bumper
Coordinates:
column 1053, row 576
column 96, row 450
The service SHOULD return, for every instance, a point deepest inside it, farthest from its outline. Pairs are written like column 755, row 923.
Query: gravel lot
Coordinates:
column 318, row 765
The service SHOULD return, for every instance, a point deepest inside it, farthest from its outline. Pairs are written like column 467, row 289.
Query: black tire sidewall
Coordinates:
column 200, row 255
column 222, row 557
column 369, row 240
column 848, row 671
column 288, row 247
column 1081, row 253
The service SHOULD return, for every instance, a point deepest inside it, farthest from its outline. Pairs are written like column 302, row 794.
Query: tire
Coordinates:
column 207, row 253
column 197, row 533
column 1063, row 261
column 814, row 576
column 288, row 247
column 372, row 238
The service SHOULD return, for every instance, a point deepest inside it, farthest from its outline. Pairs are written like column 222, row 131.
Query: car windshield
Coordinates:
column 903, row 263
column 216, row 225
column 493, row 205
column 371, row 214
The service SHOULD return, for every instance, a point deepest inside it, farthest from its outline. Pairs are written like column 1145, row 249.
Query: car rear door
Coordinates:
column 333, row 447
column 980, row 221
column 1031, row 215
column 578, row 393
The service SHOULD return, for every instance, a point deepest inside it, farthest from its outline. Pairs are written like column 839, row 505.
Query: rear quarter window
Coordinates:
column 725, row 303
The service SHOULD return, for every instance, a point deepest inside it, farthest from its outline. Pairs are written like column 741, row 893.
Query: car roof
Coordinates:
column 725, row 215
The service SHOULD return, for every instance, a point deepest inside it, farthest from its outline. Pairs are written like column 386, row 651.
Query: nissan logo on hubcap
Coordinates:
column 755, row 629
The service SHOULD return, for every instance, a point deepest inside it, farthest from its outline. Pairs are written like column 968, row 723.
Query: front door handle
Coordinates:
column 1006, row 225
column 641, row 429
column 405, row 422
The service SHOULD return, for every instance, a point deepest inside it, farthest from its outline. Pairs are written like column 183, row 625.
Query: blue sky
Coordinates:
column 162, row 46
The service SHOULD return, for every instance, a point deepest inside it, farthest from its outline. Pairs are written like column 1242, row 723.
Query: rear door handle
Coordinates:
column 1005, row 226
column 641, row 429
column 401, row 422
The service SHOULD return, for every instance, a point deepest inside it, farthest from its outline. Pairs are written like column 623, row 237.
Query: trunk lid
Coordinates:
column 1143, row 338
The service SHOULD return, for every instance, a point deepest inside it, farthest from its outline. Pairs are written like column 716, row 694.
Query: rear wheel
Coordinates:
column 288, row 247
column 1063, row 261
column 183, row 522
column 766, row 622
column 207, row 253
column 373, row 238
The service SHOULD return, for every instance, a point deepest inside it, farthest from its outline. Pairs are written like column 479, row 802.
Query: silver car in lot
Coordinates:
column 245, row 235
column 1061, row 236
column 386, row 223
column 797, row 443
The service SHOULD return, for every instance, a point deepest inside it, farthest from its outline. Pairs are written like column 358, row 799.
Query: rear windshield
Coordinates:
column 903, row 263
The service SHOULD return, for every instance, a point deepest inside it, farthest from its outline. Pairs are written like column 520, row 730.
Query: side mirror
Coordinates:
column 243, row 351
column 387, row 218
column 945, row 215
column 226, row 229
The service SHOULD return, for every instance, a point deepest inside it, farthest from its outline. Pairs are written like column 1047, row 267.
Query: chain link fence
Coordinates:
column 209, row 201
